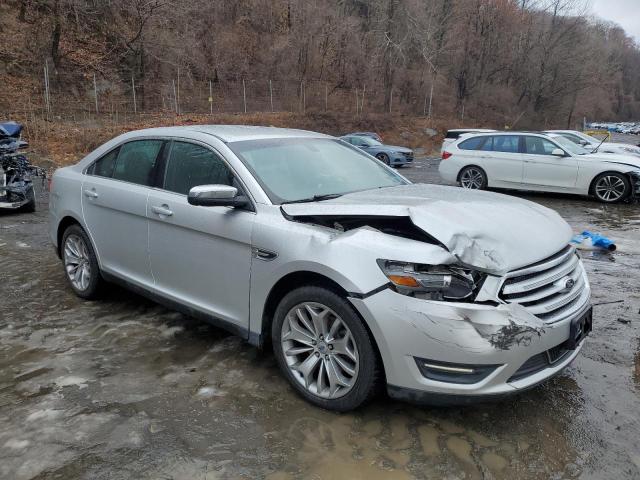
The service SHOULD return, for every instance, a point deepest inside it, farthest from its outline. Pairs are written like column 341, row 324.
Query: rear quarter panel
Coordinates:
column 64, row 199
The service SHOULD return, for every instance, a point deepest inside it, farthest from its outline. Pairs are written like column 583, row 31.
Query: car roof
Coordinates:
column 231, row 133
column 471, row 130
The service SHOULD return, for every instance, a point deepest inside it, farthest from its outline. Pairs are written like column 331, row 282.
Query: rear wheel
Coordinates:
column 80, row 263
column 384, row 158
column 324, row 350
column 611, row 187
column 473, row 178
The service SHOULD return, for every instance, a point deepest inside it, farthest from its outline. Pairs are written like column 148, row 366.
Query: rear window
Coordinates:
column 472, row 144
column 454, row 135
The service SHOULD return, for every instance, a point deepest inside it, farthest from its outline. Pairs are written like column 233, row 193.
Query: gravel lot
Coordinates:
column 122, row 388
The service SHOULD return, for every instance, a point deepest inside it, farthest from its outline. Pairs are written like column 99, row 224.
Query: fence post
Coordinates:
column 390, row 100
column 364, row 89
column 178, row 93
column 210, row 98
column 95, row 90
column 133, row 89
column 431, row 96
column 244, row 95
column 326, row 91
column 356, row 102
column 304, row 99
column 175, row 99
column 271, row 95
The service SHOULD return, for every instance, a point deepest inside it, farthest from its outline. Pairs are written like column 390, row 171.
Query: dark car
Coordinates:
column 388, row 154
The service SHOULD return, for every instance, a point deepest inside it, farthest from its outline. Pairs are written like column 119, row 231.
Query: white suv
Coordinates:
column 540, row 162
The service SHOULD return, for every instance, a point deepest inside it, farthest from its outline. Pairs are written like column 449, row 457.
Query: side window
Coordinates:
column 472, row 144
column 505, row 143
column 190, row 165
column 488, row 145
column 104, row 166
column 137, row 160
column 574, row 138
column 538, row 146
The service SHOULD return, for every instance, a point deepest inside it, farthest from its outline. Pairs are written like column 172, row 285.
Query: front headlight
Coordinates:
column 433, row 282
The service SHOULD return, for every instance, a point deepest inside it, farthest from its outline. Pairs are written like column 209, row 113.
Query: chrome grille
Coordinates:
column 552, row 289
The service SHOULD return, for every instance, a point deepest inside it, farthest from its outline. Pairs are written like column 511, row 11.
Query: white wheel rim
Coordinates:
column 76, row 262
column 610, row 188
column 472, row 178
column 320, row 350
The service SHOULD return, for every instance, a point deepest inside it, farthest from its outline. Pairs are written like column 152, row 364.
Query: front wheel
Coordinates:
column 30, row 206
column 324, row 350
column 611, row 187
column 384, row 158
column 473, row 178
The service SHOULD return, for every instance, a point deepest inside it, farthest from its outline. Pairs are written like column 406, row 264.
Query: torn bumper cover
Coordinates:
column 429, row 347
column 15, row 196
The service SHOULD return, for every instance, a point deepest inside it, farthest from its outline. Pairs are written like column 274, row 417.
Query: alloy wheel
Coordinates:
column 610, row 188
column 472, row 178
column 76, row 262
column 320, row 350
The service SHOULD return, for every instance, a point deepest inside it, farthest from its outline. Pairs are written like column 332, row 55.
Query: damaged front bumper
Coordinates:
column 427, row 347
column 14, row 197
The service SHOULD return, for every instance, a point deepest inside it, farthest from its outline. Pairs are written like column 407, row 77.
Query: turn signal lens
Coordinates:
column 403, row 281
column 445, row 155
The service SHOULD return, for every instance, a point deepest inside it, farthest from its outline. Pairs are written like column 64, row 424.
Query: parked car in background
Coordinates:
column 591, row 143
column 455, row 133
column 539, row 162
column 373, row 135
column 353, row 275
column 388, row 154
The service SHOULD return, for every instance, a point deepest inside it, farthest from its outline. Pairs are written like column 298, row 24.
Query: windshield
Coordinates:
column 299, row 169
column 589, row 138
column 569, row 146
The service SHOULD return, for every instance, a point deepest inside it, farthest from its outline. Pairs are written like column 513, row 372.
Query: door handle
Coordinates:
column 91, row 193
column 163, row 210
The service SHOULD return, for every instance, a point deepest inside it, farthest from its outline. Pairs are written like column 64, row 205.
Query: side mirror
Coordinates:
column 216, row 196
column 558, row 152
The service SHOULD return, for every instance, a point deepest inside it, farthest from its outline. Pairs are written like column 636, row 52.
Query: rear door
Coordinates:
column 114, row 207
column 543, row 170
column 501, row 158
column 200, row 256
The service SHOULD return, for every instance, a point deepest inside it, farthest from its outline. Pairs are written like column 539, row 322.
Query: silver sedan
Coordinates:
column 355, row 276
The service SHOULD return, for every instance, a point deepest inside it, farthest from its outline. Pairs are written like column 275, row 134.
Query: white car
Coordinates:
column 455, row 134
column 591, row 143
column 539, row 162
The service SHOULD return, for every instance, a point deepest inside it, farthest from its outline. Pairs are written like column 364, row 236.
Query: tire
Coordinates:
column 76, row 249
column 384, row 158
column 352, row 386
column 30, row 206
column 473, row 177
column 611, row 187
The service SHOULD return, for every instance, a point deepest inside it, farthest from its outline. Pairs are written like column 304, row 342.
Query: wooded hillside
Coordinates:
column 528, row 63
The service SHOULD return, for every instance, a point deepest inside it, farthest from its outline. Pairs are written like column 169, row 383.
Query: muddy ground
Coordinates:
column 121, row 388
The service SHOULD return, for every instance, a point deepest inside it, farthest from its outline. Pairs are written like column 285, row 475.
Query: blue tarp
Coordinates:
column 10, row 129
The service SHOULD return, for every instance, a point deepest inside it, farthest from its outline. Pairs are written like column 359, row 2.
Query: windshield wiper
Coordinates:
column 316, row 198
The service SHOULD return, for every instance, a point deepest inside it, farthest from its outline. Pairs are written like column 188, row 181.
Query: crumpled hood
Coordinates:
column 487, row 230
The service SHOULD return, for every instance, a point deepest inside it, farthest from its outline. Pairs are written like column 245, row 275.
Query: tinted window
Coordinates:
column 505, row 143
column 538, row 146
column 136, row 161
column 104, row 166
column 472, row 144
column 453, row 135
column 190, row 165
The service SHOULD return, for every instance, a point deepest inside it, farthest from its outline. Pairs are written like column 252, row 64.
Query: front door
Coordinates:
column 114, row 206
column 543, row 170
column 200, row 256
